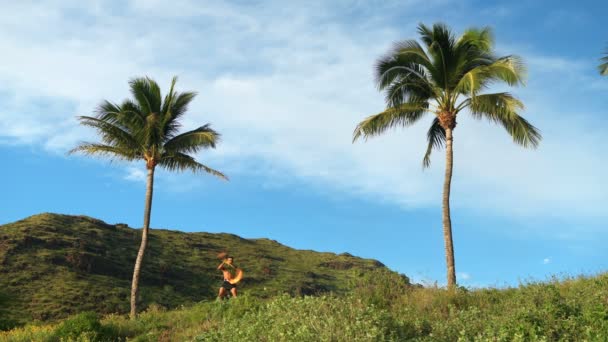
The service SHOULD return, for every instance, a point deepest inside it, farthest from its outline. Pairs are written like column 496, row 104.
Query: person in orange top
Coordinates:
column 229, row 270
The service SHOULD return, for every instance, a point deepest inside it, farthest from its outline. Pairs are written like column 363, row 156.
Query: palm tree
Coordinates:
column 604, row 66
column 445, row 77
column 146, row 129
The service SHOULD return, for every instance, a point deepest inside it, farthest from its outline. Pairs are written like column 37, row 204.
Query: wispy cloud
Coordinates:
column 463, row 276
column 546, row 261
column 135, row 174
column 286, row 83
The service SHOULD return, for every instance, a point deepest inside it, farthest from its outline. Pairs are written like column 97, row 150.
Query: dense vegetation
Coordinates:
column 52, row 266
column 381, row 307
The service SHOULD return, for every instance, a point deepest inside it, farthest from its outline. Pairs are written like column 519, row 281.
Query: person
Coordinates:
column 229, row 270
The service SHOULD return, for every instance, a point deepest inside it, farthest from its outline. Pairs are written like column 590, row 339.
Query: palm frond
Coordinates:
column 407, row 60
column 439, row 34
column 132, row 118
column 108, row 111
column 471, row 52
column 127, row 116
column 152, row 132
column 408, row 90
column 110, row 133
column 604, row 66
column 170, row 125
column 440, row 43
column 472, row 82
column 509, row 69
column 113, row 152
column 494, row 106
column 147, row 94
column 523, row 132
column 436, row 140
column 502, row 108
column 193, row 141
column 404, row 115
column 168, row 102
column 182, row 162
column 179, row 106
column 482, row 39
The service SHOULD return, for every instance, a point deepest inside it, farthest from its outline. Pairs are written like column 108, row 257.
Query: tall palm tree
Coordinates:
column 445, row 76
column 604, row 66
column 146, row 129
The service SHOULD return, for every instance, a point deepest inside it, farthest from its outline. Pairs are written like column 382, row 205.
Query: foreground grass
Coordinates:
column 381, row 308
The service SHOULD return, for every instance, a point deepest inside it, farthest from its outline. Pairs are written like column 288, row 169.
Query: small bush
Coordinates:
column 7, row 324
column 379, row 287
column 285, row 318
column 85, row 327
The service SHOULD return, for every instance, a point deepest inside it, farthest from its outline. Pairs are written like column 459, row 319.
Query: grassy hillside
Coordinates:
column 53, row 265
column 379, row 308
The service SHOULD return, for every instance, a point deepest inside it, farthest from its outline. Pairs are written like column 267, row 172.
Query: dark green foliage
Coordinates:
column 381, row 307
column 5, row 304
column 86, row 327
column 379, row 287
column 53, row 266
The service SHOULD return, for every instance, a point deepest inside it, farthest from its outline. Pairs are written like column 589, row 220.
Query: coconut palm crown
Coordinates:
column 446, row 76
column 147, row 129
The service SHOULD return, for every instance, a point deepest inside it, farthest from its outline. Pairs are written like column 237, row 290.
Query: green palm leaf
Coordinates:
column 147, row 94
column 509, row 69
column 193, row 141
column 436, row 140
column 181, row 162
column 604, row 66
column 404, row 115
column 112, row 152
column 482, row 39
column 111, row 133
column 177, row 108
column 502, row 108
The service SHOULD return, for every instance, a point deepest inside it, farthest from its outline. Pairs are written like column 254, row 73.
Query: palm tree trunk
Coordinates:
column 447, row 221
column 144, row 242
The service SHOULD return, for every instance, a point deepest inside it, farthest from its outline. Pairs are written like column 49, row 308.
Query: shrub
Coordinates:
column 85, row 327
column 285, row 318
column 379, row 287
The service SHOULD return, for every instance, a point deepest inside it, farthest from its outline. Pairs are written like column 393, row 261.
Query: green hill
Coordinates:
column 54, row 265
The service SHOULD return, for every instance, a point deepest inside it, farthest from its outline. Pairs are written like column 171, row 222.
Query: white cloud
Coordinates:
column 135, row 174
column 546, row 261
column 463, row 276
column 285, row 84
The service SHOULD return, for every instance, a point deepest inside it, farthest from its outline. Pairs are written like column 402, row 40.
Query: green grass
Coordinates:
column 556, row 310
column 53, row 266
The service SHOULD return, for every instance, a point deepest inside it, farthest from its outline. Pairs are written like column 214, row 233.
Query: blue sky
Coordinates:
column 285, row 84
